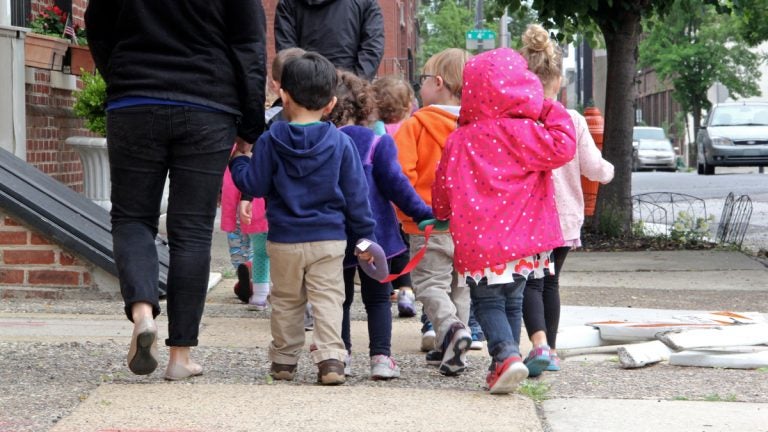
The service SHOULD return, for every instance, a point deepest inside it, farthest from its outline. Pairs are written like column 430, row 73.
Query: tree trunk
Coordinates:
column 613, row 213
column 693, row 150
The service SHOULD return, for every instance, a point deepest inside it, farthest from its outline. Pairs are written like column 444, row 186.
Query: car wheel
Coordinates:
column 706, row 168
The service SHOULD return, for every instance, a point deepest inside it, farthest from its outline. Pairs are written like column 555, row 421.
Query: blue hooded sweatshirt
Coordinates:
column 313, row 183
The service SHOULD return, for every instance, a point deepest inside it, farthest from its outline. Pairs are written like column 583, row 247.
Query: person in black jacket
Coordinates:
column 349, row 33
column 184, row 81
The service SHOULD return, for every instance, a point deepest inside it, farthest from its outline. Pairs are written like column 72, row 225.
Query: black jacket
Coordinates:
column 205, row 52
column 349, row 33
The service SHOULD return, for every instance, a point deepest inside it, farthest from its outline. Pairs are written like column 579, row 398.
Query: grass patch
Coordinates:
column 714, row 397
column 536, row 390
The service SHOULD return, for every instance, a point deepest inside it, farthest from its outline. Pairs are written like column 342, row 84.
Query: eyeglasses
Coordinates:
column 423, row 77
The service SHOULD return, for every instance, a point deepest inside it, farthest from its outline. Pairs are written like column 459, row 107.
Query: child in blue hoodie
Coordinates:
column 309, row 174
column 386, row 185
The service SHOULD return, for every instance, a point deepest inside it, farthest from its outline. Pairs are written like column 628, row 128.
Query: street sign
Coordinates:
column 481, row 34
column 480, row 39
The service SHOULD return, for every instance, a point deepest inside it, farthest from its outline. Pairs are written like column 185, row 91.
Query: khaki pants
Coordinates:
column 437, row 285
column 304, row 272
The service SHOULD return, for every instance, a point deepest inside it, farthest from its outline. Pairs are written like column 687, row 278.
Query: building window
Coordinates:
column 20, row 11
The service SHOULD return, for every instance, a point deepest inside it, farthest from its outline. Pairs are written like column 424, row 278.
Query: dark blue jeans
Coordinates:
column 498, row 309
column 145, row 144
column 378, row 307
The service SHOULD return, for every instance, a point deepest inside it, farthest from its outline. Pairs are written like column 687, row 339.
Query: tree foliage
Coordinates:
column 444, row 23
column 619, row 23
column 693, row 47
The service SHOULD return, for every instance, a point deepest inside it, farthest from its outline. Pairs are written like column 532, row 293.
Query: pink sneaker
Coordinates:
column 506, row 376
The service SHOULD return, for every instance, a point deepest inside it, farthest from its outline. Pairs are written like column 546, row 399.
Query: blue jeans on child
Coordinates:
column 498, row 309
column 146, row 144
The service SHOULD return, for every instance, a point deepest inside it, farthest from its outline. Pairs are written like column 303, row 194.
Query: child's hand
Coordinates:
column 242, row 146
column 366, row 256
column 245, row 211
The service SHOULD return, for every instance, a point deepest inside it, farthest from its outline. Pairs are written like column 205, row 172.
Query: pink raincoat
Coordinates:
column 230, row 198
column 494, row 180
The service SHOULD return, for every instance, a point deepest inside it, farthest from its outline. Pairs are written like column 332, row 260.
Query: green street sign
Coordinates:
column 481, row 35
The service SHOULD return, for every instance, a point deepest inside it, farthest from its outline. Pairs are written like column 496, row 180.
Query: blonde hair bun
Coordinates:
column 536, row 38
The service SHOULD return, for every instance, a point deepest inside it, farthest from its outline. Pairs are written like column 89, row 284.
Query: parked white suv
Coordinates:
column 733, row 134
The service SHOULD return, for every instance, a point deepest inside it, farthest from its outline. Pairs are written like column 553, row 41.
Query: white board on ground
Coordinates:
column 642, row 354
column 750, row 360
column 748, row 334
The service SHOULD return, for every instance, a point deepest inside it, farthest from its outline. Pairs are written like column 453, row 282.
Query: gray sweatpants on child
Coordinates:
column 437, row 286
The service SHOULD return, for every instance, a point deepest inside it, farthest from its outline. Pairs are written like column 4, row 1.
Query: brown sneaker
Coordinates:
column 280, row 371
column 330, row 372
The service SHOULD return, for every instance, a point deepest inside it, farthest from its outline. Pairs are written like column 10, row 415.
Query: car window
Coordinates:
column 648, row 134
column 655, row 145
column 740, row 115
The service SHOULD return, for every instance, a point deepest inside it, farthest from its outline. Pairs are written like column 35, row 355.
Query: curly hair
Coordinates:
column 356, row 101
column 394, row 97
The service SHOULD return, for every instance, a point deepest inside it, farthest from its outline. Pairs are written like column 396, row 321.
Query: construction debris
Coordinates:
column 715, row 339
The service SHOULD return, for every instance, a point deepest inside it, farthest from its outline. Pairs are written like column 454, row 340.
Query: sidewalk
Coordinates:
column 83, row 379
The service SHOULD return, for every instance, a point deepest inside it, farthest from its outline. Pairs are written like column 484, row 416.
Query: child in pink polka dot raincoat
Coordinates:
column 494, row 183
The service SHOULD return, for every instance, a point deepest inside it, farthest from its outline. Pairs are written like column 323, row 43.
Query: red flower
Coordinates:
column 499, row 269
column 523, row 264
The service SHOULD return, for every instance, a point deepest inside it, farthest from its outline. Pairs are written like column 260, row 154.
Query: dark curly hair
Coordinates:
column 356, row 101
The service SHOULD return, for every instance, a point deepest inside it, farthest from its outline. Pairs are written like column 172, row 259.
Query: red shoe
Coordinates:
column 506, row 376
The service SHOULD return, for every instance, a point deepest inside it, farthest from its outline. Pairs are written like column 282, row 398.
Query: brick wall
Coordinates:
column 31, row 266
column 50, row 119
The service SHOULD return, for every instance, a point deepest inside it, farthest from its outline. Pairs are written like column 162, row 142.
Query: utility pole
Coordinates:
column 504, row 30
column 479, row 14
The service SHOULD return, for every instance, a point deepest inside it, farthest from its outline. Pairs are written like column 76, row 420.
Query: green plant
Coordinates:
column 535, row 390
column 714, row 397
column 638, row 229
column 610, row 222
column 687, row 229
column 89, row 103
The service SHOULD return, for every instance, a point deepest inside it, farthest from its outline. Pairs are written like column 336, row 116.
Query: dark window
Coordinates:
column 20, row 10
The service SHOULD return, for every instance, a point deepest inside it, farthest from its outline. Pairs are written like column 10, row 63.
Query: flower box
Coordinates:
column 80, row 60
column 44, row 52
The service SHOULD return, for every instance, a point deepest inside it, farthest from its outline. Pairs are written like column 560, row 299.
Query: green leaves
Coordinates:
column 89, row 103
column 695, row 46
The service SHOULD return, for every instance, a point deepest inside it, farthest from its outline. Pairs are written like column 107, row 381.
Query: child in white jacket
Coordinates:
column 541, row 298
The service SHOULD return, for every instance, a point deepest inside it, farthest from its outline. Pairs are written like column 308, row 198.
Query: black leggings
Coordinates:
column 541, row 301
column 398, row 263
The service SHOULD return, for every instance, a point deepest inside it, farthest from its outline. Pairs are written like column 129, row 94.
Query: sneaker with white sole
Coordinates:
column 428, row 340
column 383, row 368
column 537, row 360
column 434, row 357
column 506, row 376
column 406, row 303
column 477, row 341
column 455, row 346
column 348, row 365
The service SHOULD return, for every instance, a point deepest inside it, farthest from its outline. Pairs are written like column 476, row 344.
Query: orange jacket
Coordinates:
column 420, row 141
